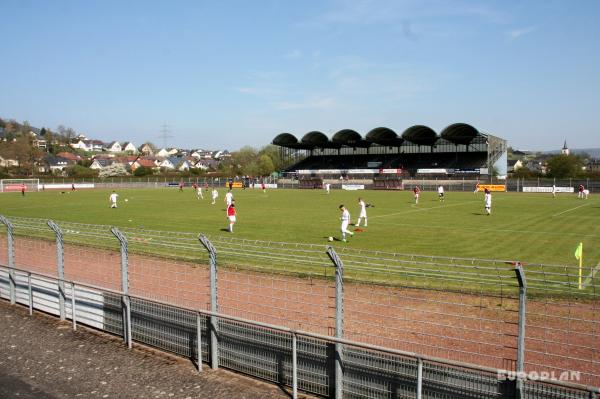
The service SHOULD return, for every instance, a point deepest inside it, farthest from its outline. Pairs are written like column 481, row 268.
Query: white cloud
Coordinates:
column 517, row 33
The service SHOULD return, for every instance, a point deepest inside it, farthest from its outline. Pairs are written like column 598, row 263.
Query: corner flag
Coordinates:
column 579, row 257
column 579, row 251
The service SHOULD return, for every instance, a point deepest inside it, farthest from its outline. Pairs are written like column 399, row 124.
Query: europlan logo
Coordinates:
column 567, row 376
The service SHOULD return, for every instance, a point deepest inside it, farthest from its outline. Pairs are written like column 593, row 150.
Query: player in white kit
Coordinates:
column 488, row 201
column 363, row 212
column 228, row 197
column 215, row 195
column 345, row 222
column 113, row 199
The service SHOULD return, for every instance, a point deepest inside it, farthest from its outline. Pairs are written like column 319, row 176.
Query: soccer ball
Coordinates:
column 126, row 200
column 330, row 239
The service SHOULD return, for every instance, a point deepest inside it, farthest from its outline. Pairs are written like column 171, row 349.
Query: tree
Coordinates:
column 113, row 170
column 563, row 166
column 80, row 171
column 273, row 152
column 143, row 171
column 523, row 172
column 265, row 165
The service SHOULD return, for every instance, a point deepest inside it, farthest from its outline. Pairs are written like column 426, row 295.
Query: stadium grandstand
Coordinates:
column 460, row 151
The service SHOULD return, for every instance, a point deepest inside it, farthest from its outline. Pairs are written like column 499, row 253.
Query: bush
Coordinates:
column 80, row 171
column 143, row 171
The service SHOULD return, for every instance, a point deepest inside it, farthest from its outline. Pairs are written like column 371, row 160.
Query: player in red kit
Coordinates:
column 231, row 215
column 417, row 192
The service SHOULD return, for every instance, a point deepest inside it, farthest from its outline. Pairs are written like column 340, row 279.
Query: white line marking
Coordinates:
column 569, row 210
column 589, row 278
column 420, row 210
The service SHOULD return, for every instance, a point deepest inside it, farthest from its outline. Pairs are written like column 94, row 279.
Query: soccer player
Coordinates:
column 363, row 212
column 199, row 192
column 229, row 198
column 488, row 201
column 231, row 215
column 264, row 188
column 586, row 192
column 72, row 186
column 345, row 221
column 441, row 193
column 327, row 187
column 113, row 199
column 23, row 189
column 417, row 192
column 215, row 195
column 554, row 191
column 580, row 191
column 476, row 188
column 181, row 186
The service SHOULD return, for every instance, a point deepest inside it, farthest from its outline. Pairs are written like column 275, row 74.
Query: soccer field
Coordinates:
column 524, row 227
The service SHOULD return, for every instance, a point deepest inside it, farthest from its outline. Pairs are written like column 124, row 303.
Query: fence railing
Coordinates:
column 358, row 316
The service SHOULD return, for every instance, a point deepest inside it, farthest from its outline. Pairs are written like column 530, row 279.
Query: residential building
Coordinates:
column 129, row 147
column 146, row 149
column 115, row 146
column 164, row 153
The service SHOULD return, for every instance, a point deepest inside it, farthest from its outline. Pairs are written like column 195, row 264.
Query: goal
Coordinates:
column 8, row 185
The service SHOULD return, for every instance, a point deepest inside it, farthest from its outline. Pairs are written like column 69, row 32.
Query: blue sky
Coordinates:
column 223, row 74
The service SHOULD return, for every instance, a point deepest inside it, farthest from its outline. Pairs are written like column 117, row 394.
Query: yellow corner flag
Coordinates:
column 579, row 257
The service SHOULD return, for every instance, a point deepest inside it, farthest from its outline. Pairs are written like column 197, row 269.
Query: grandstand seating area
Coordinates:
column 459, row 150
column 409, row 163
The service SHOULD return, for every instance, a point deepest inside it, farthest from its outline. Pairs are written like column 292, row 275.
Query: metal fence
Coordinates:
column 356, row 318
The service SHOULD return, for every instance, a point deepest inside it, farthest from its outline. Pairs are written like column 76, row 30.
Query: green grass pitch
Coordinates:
column 526, row 227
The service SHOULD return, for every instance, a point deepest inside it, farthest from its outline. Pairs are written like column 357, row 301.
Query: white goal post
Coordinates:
column 15, row 185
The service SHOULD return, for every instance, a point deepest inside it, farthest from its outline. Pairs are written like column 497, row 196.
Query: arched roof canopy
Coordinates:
column 285, row 140
column 460, row 133
column 421, row 135
column 288, row 140
column 317, row 139
column 350, row 138
column 384, row 136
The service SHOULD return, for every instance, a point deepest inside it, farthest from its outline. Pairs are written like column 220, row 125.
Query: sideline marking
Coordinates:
column 421, row 209
column 569, row 210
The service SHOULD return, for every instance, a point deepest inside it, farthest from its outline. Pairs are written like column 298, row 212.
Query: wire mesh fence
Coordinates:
column 459, row 309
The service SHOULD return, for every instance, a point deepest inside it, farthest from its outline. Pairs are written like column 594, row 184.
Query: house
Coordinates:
column 183, row 165
column 8, row 162
column 129, row 147
column 168, row 164
column 143, row 162
column 206, row 164
column 178, row 163
column 37, row 140
column 100, row 163
column 146, row 149
column 69, row 155
column 56, row 164
column 87, row 145
column 115, row 146
column 96, row 145
column 163, row 153
column 221, row 154
column 173, row 151
column 593, row 166
column 513, row 165
column 536, row 166
column 202, row 154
